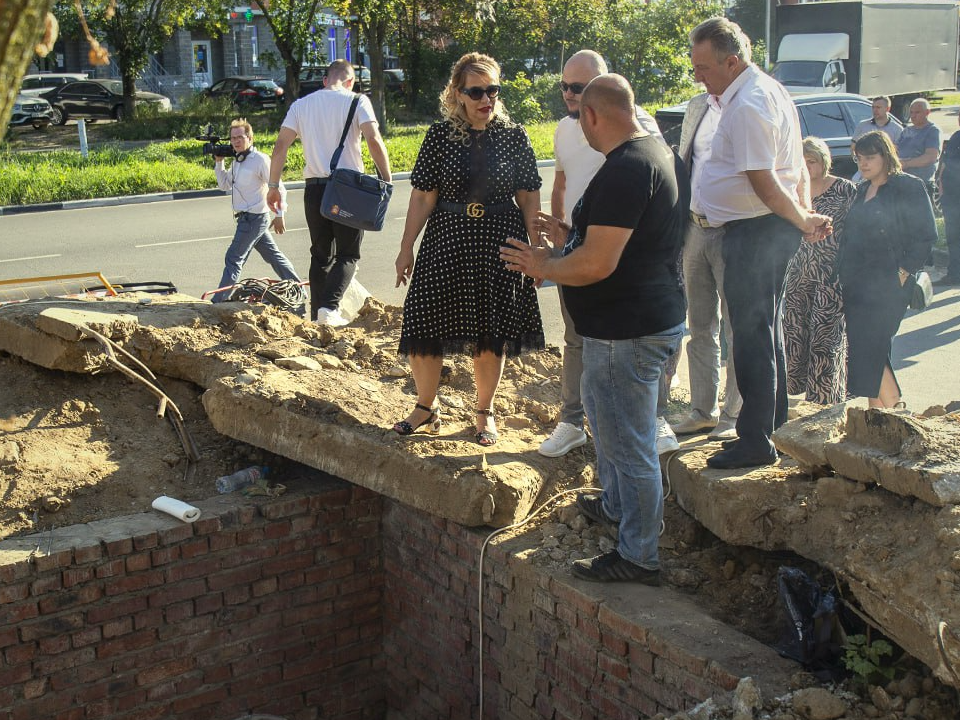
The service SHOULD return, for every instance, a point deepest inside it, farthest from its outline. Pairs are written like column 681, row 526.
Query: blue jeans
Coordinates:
column 252, row 234
column 619, row 388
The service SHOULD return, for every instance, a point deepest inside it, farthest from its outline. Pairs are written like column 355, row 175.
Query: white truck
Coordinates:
column 900, row 48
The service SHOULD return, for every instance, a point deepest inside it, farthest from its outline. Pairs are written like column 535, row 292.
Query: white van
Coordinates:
column 41, row 82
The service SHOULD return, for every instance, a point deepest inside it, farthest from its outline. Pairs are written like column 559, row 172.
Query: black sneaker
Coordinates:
column 592, row 506
column 611, row 567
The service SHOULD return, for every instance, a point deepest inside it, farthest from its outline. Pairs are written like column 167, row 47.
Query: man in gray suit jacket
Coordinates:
column 703, row 278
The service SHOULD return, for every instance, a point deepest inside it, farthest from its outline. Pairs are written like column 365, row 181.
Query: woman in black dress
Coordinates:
column 888, row 234
column 813, row 336
column 475, row 183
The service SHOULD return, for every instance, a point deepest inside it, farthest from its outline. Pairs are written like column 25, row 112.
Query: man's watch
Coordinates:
column 274, row 186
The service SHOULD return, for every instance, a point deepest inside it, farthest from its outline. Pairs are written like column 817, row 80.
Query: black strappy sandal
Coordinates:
column 432, row 422
column 486, row 438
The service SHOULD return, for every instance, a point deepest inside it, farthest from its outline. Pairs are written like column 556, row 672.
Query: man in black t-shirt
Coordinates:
column 619, row 275
column 948, row 177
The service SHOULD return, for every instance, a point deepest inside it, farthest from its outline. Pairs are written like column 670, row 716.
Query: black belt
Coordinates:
column 316, row 181
column 475, row 210
column 236, row 215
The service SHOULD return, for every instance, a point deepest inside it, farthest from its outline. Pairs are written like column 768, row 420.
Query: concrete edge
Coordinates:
column 156, row 197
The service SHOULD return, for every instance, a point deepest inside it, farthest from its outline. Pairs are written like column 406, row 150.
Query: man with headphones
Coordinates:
column 246, row 181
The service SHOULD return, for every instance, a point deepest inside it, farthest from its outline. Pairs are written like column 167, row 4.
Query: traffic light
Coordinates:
column 248, row 15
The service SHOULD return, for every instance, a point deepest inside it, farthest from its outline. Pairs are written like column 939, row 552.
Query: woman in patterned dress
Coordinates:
column 813, row 322
column 475, row 183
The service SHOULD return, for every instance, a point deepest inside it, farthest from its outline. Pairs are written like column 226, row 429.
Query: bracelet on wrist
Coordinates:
column 273, row 185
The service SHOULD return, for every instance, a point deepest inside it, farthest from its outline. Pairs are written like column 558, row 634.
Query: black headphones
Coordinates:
column 241, row 156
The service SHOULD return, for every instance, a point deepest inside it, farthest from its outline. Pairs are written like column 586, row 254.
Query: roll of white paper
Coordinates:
column 177, row 508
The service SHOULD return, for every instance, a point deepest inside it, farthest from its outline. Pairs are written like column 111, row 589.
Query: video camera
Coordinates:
column 212, row 145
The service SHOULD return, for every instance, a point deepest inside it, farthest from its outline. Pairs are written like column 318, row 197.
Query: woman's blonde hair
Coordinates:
column 815, row 147
column 450, row 106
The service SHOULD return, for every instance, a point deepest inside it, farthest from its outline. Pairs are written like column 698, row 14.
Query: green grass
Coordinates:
column 165, row 166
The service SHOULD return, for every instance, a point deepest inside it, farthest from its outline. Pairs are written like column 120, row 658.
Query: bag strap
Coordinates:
column 343, row 137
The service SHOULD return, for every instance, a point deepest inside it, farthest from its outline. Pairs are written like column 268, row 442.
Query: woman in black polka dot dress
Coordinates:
column 475, row 183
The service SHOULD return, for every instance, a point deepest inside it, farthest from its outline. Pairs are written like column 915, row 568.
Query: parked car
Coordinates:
column 394, row 81
column 96, row 99
column 29, row 110
column 832, row 117
column 311, row 79
column 248, row 92
column 40, row 83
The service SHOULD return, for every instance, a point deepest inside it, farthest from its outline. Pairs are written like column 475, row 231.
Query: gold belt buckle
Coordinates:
column 475, row 210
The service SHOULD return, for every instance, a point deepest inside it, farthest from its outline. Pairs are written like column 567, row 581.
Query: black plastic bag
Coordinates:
column 811, row 632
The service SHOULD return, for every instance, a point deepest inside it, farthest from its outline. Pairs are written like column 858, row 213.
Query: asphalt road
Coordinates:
column 184, row 241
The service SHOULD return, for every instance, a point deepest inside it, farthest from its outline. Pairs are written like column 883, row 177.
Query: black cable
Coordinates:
column 286, row 294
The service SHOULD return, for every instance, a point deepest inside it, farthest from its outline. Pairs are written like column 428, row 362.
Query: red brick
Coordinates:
column 64, row 599
column 165, row 555
column 45, row 584
column 641, row 659
column 264, row 587
column 720, row 676
column 148, row 618
column 87, row 636
column 208, row 525
column 75, row 576
column 12, row 593
column 133, row 583
column 178, row 611
column 614, row 643
column 193, row 548
column 250, row 536
column 11, row 572
column 140, row 561
column 198, row 700
column 126, row 643
column 53, row 561
column 189, row 570
column 110, row 568
column 16, row 654
column 175, row 534
column 145, row 542
column 164, row 671
column 177, row 592
column 223, row 541
column 613, row 666
column 88, row 554
column 54, row 663
column 277, row 530
column 208, row 603
column 120, row 626
column 303, row 523
column 622, row 626
column 120, row 547
column 677, row 655
column 51, row 626
column 232, row 578
column 53, row 645
column 8, row 636
column 286, row 507
column 116, row 608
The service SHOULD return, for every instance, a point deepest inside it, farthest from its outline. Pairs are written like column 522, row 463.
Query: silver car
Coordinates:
column 29, row 110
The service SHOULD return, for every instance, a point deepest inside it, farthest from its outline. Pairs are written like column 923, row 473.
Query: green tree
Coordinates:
column 292, row 23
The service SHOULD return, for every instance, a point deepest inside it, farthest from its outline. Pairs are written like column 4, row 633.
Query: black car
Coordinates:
column 832, row 117
column 257, row 93
column 311, row 79
column 394, row 81
column 96, row 99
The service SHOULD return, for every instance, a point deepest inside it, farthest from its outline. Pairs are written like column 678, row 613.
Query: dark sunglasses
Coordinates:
column 575, row 88
column 476, row 92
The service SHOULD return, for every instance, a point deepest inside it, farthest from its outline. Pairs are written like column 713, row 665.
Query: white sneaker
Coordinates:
column 666, row 440
column 564, row 438
column 726, row 429
column 333, row 318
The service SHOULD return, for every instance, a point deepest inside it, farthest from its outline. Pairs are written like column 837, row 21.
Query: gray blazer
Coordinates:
column 696, row 109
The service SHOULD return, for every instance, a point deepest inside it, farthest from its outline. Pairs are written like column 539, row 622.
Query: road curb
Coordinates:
column 155, row 197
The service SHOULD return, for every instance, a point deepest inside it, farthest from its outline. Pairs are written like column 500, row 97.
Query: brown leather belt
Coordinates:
column 699, row 220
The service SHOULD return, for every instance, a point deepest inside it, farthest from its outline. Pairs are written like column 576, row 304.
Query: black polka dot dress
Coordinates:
column 462, row 299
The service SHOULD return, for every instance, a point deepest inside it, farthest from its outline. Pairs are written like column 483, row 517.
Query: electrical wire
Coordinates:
column 285, row 294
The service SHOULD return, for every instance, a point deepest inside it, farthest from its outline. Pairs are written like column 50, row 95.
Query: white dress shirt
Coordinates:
column 246, row 181
column 702, row 142
column 759, row 129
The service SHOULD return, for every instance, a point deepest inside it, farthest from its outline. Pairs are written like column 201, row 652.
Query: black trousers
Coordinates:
column 950, row 201
column 756, row 253
column 334, row 253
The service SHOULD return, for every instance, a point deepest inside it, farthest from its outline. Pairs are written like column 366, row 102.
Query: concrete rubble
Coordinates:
column 888, row 525
column 325, row 398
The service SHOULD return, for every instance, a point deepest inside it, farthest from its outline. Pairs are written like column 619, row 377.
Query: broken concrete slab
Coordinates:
column 908, row 455
column 900, row 559
column 66, row 323
column 334, row 408
column 803, row 439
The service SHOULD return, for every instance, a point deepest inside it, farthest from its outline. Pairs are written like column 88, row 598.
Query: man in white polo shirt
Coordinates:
column 754, row 185
column 318, row 120
column 576, row 164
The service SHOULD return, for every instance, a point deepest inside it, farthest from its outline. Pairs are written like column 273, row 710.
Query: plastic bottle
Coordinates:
column 241, row 479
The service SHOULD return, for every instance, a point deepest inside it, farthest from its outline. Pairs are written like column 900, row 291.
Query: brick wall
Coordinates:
column 554, row 647
column 336, row 603
column 273, row 608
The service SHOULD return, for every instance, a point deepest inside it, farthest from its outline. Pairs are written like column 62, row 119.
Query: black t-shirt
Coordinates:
column 643, row 186
column 950, row 164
